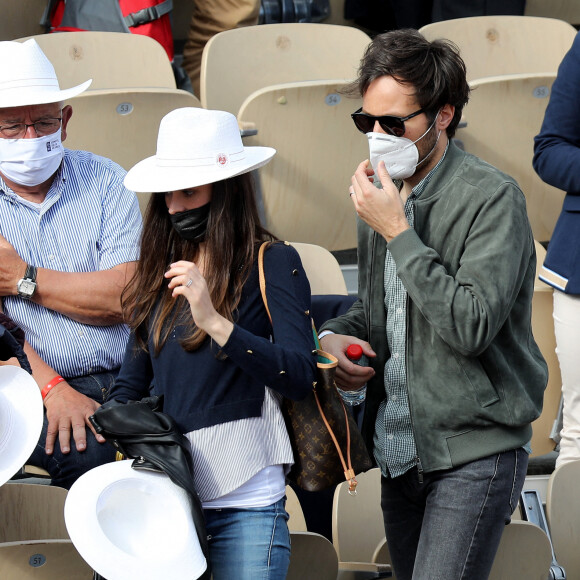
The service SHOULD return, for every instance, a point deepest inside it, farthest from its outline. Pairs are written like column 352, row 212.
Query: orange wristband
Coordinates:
column 53, row 383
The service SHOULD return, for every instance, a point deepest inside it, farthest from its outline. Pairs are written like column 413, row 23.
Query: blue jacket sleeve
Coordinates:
column 288, row 363
column 557, row 147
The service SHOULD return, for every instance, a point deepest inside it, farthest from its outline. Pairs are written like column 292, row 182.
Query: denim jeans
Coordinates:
column 65, row 469
column 449, row 527
column 249, row 544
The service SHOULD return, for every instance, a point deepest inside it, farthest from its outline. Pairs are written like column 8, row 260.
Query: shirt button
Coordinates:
column 390, row 436
column 396, row 355
column 399, row 311
column 394, row 397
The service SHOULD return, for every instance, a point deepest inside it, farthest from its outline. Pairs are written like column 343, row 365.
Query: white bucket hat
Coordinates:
column 127, row 523
column 27, row 77
column 194, row 147
column 21, row 416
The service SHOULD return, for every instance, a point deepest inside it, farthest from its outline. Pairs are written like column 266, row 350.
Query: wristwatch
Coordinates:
column 27, row 285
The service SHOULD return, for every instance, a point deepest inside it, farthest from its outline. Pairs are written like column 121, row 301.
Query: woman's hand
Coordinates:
column 186, row 280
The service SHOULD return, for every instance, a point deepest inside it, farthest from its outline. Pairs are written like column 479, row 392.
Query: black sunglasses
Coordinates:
column 389, row 123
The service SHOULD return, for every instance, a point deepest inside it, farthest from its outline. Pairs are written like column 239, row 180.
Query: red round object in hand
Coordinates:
column 354, row 352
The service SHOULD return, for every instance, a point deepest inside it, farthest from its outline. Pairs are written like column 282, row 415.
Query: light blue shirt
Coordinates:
column 88, row 222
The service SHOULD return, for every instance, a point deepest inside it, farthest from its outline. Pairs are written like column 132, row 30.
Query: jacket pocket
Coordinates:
column 483, row 388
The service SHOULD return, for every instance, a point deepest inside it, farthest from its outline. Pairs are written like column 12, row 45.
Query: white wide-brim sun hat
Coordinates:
column 195, row 147
column 27, row 77
column 127, row 523
column 21, row 416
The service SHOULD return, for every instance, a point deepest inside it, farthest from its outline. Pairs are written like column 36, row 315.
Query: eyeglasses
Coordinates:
column 42, row 128
column 389, row 123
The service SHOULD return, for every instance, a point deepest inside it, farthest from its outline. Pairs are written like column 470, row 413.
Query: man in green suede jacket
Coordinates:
column 446, row 278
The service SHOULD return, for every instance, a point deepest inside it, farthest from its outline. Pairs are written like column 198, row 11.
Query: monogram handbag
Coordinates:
column 327, row 444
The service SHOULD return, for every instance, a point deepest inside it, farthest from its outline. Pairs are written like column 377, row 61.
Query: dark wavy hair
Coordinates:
column 234, row 234
column 435, row 70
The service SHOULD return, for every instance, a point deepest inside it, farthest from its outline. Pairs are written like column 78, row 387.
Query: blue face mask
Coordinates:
column 191, row 225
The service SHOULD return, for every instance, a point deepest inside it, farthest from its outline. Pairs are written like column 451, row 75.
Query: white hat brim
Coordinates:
column 127, row 523
column 21, row 417
column 27, row 96
column 149, row 176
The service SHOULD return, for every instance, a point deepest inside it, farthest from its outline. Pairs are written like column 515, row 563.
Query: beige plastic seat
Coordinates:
column 112, row 59
column 563, row 514
column 297, row 522
column 502, row 117
column 20, row 18
column 122, row 124
column 545, row 426
column 305, row 187
column 235, row 63
column 567, row 10
column 524, row 552
column 322, row 269
column 42, row 560
column 503, row 45
column 32, row 512
column 312, row 556
column 358, row 527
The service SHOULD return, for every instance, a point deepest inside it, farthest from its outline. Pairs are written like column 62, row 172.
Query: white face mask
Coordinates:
column 400, row 154
column 31, row 162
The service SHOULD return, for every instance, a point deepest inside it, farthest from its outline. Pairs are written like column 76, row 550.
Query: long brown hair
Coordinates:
column 233, row 235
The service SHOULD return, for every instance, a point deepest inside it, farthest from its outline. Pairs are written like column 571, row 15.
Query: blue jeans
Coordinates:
column 65, row 469
column 449, row 526
column 249, row 544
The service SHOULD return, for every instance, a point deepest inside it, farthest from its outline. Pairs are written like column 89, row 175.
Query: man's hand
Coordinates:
column 12, row 268
column 349, row 376
column 68, row 410
column 382, row 209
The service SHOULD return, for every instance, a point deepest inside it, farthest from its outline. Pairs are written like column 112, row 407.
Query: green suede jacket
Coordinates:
column 475, row 375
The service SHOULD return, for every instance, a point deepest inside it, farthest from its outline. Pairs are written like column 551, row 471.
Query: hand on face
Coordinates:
column 382, row 209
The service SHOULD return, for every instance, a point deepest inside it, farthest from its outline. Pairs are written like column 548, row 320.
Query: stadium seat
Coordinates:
column 563, row 514
column 524, row 552
column 304, row 188
column 501, row 45
column 500, row 121
column 312, row 556
column 20, row 18
column 322, row 269
column 545, row 427
column 32, row 511
column 235, row 63
column 357, row 526
column 567, row 10
column 112, row 59
column 42, row 560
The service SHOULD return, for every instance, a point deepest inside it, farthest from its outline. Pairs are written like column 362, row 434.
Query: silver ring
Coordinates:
column 189, row 283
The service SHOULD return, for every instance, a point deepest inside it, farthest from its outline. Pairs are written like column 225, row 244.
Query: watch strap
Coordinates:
column 30, row 273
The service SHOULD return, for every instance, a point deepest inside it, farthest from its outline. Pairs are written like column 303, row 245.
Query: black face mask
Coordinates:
column 191, row 225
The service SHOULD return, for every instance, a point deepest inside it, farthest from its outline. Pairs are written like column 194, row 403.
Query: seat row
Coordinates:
column 34, row 542
column 285, row 82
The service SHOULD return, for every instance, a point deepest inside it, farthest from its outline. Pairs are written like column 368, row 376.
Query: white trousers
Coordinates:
column 567, row 328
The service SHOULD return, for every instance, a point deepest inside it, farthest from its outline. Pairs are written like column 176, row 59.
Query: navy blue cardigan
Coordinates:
column 202, row 388
column 557, row 162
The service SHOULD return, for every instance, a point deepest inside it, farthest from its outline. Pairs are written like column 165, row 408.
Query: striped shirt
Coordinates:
column 394, row 443
column 227, row 455
column 88, row 222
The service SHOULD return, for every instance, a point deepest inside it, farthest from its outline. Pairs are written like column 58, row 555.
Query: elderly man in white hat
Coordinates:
column 69, row 234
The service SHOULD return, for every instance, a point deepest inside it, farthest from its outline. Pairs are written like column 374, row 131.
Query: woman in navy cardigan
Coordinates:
column 557, row 162
column 201, row 335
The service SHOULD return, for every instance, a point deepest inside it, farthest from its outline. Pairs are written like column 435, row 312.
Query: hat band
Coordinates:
column 29, row 84
column 219, row 159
